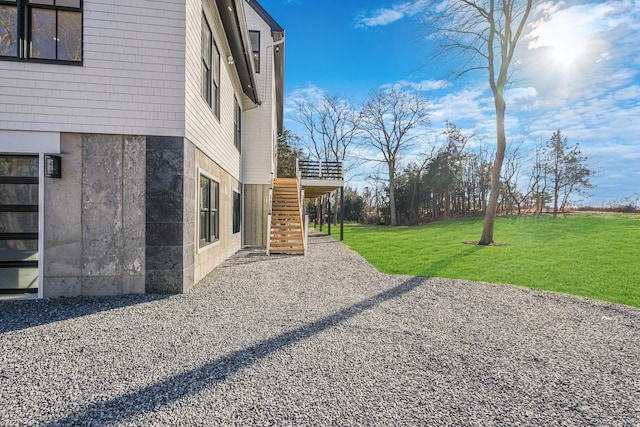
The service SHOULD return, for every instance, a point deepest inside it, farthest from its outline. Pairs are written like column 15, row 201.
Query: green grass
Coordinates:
column 592, row 255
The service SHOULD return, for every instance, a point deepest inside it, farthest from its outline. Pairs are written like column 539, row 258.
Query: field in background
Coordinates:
column 596, row 255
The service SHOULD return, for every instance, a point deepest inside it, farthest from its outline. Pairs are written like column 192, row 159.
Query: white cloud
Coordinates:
column 520, row 93
column 423, row 86
column 389, row 15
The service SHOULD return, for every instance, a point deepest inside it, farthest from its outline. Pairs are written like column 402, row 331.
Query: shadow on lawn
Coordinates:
column 437, row 266
column 162, row 393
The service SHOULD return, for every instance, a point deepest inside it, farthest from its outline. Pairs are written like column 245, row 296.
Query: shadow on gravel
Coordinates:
column 194, row 381
column 17, row 315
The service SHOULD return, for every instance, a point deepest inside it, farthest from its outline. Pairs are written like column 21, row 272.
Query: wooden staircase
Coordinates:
column 286, row 221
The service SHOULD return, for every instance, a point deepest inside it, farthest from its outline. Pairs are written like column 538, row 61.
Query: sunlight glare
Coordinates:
column 566, row 43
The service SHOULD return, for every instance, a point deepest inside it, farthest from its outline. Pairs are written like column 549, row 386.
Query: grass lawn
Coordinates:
column 593, row 255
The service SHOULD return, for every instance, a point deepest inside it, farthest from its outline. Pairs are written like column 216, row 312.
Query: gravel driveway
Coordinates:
column 320, row 340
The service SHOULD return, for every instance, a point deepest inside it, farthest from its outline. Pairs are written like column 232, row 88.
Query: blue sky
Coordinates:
column 577, row 70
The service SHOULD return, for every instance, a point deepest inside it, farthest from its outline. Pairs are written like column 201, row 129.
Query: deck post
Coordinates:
column 329, row 215
column 341, row 213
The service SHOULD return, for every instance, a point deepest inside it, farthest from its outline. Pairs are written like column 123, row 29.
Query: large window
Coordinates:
column 41, row 30
column 255, row 48
column 237, row 211
column 209, row 209
column 237, row 125
column 18, row 224
column 210, row 68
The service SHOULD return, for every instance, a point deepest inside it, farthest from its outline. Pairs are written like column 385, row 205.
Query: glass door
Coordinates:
column 18, row 224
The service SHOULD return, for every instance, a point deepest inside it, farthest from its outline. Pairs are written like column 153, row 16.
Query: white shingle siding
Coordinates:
column 260, row 123
column 131, row 81
column 214, row 137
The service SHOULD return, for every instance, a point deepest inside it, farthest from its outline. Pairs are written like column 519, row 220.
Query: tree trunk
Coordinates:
column 501, row 142
column 392, row 198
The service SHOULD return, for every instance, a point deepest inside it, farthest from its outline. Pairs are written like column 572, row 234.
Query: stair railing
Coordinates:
column 301, row 208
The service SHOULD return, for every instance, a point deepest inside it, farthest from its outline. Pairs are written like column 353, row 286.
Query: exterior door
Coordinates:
column 19, row 224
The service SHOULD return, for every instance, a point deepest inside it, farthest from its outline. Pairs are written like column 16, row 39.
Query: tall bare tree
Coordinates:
column 388, row 121
column 331, row 124
column 484, row 34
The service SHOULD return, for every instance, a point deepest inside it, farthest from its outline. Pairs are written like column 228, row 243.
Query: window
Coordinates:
column 210, row 68
column 237, row 211
column 237, row 125
column 207, row 41
column 41, row 30
column 255, row 48
column 209, row 205
column 216, row 80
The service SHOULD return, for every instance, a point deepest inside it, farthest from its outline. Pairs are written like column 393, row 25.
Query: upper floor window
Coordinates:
column 237, row 125
column 255, row 47
column 41, row 30
column 210, row 68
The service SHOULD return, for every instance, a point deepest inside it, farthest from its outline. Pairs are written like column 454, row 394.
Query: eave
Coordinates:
column 233, row 21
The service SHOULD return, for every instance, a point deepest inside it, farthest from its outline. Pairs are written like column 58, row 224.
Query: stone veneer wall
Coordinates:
column 94, row 227
column 210, row 256
column 170, row 214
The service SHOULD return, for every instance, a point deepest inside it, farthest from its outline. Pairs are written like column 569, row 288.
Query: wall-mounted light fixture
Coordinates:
column 52, row 166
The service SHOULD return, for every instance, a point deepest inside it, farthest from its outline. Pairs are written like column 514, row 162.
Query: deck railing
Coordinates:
column 313, row 169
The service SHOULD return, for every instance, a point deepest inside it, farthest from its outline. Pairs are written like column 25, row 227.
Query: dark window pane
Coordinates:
column 206, row 60
column 216, row 65
column 214, row 211
column 204, row 193
column 8, row 249
column 69, row 36
column 255, row 47
column 204, row 226
column 255, row 40
column 19, row 166
column 8, row 31
column 43, row 34
column 236, row 212
column 18, row 222
column 19, row 278
column 23, row 194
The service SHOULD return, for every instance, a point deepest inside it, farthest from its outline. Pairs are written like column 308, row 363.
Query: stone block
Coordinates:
column 55, row 287
column 102, row 204
column 133, row 285
column 164, row 258
column 62, row 252
column 62, row 259
column 164, row 234
column 164, row 282
column 102, row 285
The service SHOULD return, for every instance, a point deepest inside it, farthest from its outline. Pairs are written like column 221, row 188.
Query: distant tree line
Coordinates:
column 451, row 178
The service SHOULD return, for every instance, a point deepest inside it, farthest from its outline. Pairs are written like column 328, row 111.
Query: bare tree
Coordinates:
column 388, row 121
column 331, row 124
column 484, row 33
column 511, row 174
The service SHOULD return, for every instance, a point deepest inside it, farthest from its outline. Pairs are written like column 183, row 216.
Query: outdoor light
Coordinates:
column 52, row 166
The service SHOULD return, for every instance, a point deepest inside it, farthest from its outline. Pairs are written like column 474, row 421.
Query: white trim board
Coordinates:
column 23, row 142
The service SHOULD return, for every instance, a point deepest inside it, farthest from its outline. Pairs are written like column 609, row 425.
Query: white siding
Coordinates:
column 131, row 80
column 214, row 137
column 260, row 124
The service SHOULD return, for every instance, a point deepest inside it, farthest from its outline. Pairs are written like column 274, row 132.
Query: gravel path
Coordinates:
column 320, row 340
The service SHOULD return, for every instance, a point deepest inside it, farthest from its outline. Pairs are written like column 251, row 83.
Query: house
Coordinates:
column 137, row 141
